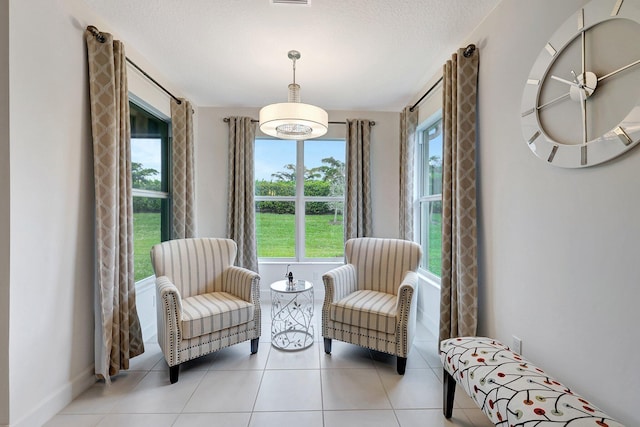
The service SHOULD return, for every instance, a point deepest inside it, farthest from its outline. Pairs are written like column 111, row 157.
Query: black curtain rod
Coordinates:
column 468, row 51
column 101, row 38
column 372, row 123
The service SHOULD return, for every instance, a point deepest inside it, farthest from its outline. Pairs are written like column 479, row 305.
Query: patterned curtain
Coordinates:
column 459, row 286
column 117, row 327
column 182, row 193
column 408, row 124
column 357, row 221
column 241, row 213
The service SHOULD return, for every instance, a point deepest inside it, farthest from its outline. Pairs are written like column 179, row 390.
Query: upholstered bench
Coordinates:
column 510, row 390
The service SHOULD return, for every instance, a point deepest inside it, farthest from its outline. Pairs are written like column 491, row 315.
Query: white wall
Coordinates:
column 51, row 237
column 212, row 179
column 50, row 337
column 4, row 213
column 558, row 247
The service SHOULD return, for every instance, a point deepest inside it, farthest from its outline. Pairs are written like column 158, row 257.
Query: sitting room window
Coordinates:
column 150, row 177
column 429, row 195
column 299, row 195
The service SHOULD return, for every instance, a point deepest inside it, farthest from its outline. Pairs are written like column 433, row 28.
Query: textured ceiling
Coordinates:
column 372, row 55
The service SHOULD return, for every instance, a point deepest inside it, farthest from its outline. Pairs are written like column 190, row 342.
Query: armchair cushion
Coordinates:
column 367, row 309
column 212, row 312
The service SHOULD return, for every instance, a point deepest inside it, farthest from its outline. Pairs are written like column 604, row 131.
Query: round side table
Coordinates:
column 291, row 315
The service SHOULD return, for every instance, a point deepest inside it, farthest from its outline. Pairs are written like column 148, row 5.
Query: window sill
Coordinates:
column 328, row 262
column 429, row 279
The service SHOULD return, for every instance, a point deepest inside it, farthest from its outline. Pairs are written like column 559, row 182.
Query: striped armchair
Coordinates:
column 204, row 302
column 371, row 300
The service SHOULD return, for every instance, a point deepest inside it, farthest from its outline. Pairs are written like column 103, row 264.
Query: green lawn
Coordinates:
column 146, row 232
column 435, row 244
column 324, row 238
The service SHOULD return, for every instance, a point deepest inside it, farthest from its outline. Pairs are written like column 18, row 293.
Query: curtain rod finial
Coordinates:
column 96, row 33
column 469, row 50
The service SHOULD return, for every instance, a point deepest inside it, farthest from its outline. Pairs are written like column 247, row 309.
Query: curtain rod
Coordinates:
column 101, row 38
column 468, row 51
column 372, row 123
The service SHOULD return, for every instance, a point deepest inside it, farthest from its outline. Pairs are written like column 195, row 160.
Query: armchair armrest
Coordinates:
column 339, row 282
column 169, row 314
column 406, row 312
column 243, row 283
column 406, row 292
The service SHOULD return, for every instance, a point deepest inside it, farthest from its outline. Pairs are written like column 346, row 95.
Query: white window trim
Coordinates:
column 430, row 121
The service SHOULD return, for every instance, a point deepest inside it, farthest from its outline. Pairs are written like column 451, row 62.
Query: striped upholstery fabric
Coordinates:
column 367, row 309
column 370, row 301
column 205, row 303
column 195, row 266
column 381, row 264
column 206, row 313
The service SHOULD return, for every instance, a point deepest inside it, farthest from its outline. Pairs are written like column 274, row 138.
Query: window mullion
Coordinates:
column 300, row 202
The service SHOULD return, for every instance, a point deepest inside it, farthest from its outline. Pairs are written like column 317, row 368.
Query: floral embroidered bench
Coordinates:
column 511, row 391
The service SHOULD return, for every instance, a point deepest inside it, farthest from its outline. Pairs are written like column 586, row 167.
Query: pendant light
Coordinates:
column 293, row 119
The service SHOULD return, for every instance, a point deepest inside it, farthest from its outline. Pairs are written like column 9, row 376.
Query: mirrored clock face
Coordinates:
column 581, row 103
column 609, row 46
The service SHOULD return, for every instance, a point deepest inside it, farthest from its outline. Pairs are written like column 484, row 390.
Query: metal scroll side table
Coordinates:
column 291, row 315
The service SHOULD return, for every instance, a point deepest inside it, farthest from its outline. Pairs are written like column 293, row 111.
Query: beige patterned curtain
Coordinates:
column 182, row 189
column 408, row 124
column 241, row 213
column 357, row 222
column 117, row 327
column 459, row 286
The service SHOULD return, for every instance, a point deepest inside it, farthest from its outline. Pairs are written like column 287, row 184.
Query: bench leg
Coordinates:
column 449, row 391
column 254, row 345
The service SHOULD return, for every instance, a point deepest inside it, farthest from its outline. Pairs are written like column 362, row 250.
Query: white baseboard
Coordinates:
column 428, row 322
column 429, row 304
column 58, row 400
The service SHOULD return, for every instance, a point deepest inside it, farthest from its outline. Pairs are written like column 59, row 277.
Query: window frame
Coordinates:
column 140, row 107
column 300, row 201
column 419, row 198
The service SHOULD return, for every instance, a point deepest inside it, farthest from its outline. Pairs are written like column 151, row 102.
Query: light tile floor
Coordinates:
column 352, row 386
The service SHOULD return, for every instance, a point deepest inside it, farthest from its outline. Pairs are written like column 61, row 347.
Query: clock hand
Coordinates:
column 560, row 79
column 583, row 102
column 552, row 101
column 606, row 76
column 575, row 84
column 584, row 44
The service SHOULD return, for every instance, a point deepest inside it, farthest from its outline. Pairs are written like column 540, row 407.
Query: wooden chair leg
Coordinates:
column 448, row 394
column 402, row 364
column 254, row 345
column 174, row 371
column 327, row 345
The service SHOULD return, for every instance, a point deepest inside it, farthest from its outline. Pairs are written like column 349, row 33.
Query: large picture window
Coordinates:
column 299, row 199
column 429, row 200
column 149, row 174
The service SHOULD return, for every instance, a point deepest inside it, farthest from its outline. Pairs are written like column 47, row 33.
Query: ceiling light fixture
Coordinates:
column 293, row 119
